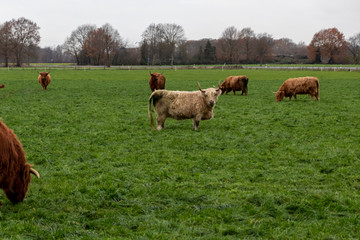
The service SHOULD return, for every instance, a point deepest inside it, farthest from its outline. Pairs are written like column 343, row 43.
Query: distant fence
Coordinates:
column 179, row 67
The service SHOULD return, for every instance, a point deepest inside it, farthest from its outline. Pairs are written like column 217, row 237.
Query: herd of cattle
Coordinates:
column 197, row 105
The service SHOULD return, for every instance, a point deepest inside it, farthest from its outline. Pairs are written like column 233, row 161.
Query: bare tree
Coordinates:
column 152, row 37
column 247, row 41
column 24, row 38
column 5, row 42
column 172, row 35
column 229, row 44
column 263, row 46
column 75, row 43
column 112, row 42
column 354, row 48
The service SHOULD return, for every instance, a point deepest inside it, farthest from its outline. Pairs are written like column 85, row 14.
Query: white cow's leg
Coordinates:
column 160, row 122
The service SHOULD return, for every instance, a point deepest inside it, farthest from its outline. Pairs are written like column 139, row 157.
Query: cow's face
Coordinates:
column 279, row 95
column 18, row 191
column 210, row 96
column 43, row 75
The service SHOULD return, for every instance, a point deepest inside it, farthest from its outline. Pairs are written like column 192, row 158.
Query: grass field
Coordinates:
column 259, row 170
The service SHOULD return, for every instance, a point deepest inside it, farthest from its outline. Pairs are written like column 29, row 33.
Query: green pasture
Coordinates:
column 260, row 169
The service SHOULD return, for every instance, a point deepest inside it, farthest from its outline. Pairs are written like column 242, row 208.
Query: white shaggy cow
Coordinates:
column 180, row 105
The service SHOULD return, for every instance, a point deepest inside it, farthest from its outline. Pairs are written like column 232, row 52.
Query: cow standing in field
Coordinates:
column 157, row 81
column 14, row 170
column 235, row 83
column 198, row 105
column 302, row 85
column 2, row 86
column 44, row 79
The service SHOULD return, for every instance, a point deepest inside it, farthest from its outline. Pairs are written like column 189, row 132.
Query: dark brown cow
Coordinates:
column 157, row 81
column 235, row 83
column 44, row 79
column 180, row 105
column 14, row 170
column 2, row 86
column 302, row 85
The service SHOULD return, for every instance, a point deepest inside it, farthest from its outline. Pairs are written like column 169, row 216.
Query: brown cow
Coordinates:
column 2, row 86
column 180, row 105
column 235, row 83
column 14, row 170
column 157, row 81
column 302, row 85
column 44, row 79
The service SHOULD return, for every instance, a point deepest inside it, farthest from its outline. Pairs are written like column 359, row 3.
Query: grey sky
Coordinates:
column 297, row 20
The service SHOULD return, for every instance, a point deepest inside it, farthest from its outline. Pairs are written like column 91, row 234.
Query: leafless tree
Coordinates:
column 229, row 44
column 25, row 38
column 172, row 35
column 75, row 43
column 354, row 48
column 5, row 42
column 112, row 42
column 247, row 43
column 152, row 37
column 263, row 46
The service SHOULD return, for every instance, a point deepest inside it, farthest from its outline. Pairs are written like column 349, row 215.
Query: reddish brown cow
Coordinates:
column 14, row 170
column 302, row 85
column 2, row 86
column 235, row 83
column 44, row 79
column 157, row 81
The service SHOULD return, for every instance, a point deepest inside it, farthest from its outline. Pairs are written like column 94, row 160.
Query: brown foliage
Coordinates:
column 328, row 45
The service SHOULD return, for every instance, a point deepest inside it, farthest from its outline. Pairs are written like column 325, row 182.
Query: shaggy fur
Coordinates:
column 302, row 85
column 180, row 105
column 157, row 81
column 14, row 170
column 235, row 83
column 44, row 79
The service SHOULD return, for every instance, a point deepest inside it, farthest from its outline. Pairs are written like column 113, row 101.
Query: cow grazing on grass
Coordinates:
column 2, row 86
column 157, row 81
column 302, row 85
column 44, row 79
column 180, row 105
column 235, row 83
column 14, row 170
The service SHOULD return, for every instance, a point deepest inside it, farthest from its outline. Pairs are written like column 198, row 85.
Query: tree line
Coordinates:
column 166, row 44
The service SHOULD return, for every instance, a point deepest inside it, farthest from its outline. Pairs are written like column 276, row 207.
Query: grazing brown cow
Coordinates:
column 235, row 83
column 180, row 105
column 302, row 85
column 14, row 170
column 2, row 86
column 157, row 81
column 44, row 79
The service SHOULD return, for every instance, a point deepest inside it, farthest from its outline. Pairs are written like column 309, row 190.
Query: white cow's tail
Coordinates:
column 149, row 111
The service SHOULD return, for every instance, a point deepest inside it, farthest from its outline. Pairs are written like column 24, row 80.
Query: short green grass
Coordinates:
column 259, row 169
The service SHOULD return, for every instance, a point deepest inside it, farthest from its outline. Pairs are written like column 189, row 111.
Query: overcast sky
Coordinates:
column 297, row 20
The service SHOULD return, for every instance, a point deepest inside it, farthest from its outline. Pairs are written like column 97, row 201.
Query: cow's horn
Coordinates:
column 33, row 171
column 199, row 86
column 219, row 84
column 274, row 92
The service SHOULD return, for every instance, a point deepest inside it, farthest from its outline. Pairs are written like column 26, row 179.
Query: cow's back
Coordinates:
column 177, row 104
